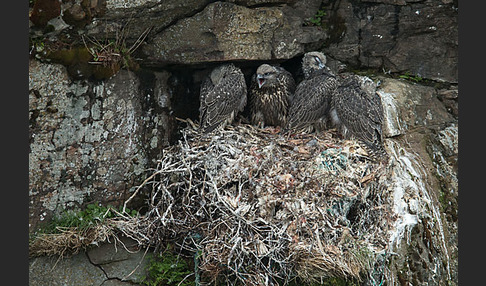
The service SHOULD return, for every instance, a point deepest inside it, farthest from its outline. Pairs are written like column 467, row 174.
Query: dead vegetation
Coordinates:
column 69, row 240
column 261, row 207
column 115, row 53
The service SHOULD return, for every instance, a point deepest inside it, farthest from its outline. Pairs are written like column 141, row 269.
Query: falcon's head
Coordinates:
column 218, row 73
column 266, row 75
column 313, row 61
column 367, row 84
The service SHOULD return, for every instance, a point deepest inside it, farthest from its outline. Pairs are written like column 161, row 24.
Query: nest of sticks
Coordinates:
column 261, row 207
column 258, row 207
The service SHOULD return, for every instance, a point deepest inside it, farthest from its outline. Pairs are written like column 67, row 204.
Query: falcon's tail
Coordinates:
column 377, row 151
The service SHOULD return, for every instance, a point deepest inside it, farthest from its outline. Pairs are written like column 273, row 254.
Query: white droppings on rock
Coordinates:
column 407, row 183
column 412, row 200
column 449, row 139
column 392, row 125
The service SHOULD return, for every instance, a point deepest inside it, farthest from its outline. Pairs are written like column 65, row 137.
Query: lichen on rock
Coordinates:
column 86, row 140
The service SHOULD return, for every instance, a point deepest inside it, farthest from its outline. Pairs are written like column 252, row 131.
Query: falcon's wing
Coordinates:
column 224, row 98
column 206, row 87
column 254, row 94
column 311, row 101
column 253, row 89
column 288, row 81
column 361, row 113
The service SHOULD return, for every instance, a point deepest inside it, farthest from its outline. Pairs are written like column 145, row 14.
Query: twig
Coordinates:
column 139, row 187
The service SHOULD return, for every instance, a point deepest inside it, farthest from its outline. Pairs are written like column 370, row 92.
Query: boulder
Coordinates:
column 229, row 32
column 110, row 264
column 422, row 140
column 250, row 3
column 91, row 142
column 116, row 282
column 409, row 106
column 395, row 36
column 138, row 16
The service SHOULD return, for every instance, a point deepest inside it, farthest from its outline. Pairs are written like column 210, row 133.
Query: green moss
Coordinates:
column 69, row 56
column 411, row 77
column 317, row 19
column 168, row 269
column 81, row 219
column 36, row 45
column 111, row 55
column 443, row 200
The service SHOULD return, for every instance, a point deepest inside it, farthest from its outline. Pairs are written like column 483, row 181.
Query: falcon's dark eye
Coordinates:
column 266, row 74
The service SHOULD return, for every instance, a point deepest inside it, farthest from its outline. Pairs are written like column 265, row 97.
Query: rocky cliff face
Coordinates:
column 229, row 32
column 420, row 37
column 422, row 132
column 94, row 138
column 91, row 142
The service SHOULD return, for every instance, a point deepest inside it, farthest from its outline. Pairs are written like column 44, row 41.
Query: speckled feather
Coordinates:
column 269, row 104
column 312, row 100
column 356, row 109
column 222, row 96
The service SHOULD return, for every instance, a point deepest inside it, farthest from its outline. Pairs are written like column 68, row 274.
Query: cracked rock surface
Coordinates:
column 107, row 265
column 77, row 270
column 226, row 31
column 125, row 263
column 420, row 37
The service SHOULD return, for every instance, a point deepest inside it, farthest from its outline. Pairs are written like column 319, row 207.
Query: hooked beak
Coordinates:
column 260, row 80
column 320, row 63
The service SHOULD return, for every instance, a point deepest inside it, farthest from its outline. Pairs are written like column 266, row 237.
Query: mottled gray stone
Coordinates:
column 116, row 282
column 249, row 3
column 422, row 142
column 421, row 238
column 88, row 140
column 124, row 261
column 110, row 264
column 419, row 38
column 70, row 271
column 139, row 16
column 228, row 32
column 408, row 106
